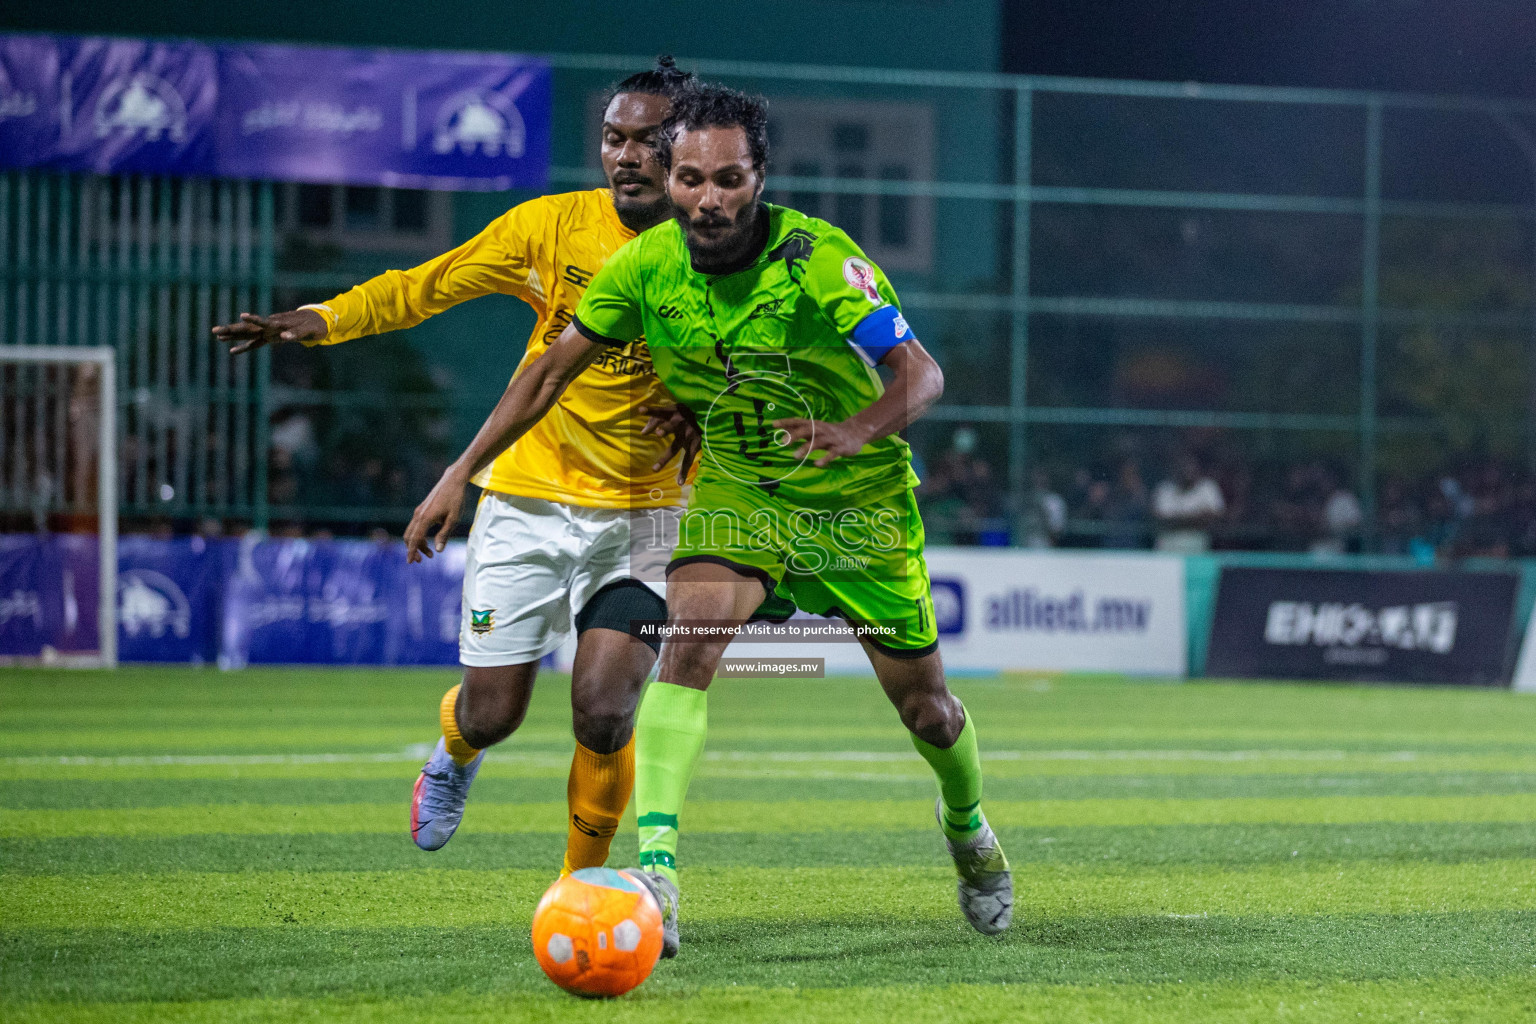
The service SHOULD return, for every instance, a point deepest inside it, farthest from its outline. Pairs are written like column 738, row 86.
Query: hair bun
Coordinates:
column 665, row 78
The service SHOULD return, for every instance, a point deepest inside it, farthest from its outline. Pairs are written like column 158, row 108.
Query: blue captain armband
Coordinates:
column 880, row 332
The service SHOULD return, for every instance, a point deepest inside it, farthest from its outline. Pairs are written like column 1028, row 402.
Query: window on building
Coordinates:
column 806, row 202
column 895, row 221
column 366, row 217
column 411, row 214
column 844, row 139
column 855, row 140
column 850, row 137
column 314, row 205
column 362, row 208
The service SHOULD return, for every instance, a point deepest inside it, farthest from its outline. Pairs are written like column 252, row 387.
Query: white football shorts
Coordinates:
column 532, row 565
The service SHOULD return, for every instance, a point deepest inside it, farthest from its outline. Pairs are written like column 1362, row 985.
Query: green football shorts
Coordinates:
column 864, row 564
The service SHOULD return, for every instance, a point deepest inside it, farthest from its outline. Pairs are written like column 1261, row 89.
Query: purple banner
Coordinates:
column 339, row 602
column 29, row 100
column 379, row 117
column 128, row 106
column 168, row 596
column 402, row 119
column 192, row 599
column 428, row 631
column 48, row 597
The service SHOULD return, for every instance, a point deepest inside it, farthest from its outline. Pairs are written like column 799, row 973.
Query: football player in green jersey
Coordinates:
column 769, row 325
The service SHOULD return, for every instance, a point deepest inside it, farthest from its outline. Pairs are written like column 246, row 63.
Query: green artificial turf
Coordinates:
column 186, row 845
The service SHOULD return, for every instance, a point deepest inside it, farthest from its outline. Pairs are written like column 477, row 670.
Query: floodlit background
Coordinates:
column 1308, row 277
column 1271, row 266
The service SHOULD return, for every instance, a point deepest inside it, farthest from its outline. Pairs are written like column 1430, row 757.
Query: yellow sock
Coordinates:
column 597, row 793
column 461, row 752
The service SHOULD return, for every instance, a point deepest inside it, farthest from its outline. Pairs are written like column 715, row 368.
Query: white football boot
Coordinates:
column 986, row 884
column 665, row 894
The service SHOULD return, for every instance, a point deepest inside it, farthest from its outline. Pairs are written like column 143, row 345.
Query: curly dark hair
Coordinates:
column 715, row 106
column 665, row 79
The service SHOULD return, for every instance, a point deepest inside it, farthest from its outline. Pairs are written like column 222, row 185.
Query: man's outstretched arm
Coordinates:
column 497, row 260
column 531, row 395
column 916, row 383
column 252, row 331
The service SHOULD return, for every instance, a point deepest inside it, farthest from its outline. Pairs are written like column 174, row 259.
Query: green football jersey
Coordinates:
column 794, row 334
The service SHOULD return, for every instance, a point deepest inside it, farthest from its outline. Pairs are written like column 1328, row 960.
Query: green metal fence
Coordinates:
column 144, row 265
column 1063, row 213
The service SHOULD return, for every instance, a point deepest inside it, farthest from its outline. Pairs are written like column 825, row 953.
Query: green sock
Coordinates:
column 958, row 769
column 669, row 737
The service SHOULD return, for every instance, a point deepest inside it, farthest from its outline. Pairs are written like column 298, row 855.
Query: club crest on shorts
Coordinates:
column 862, row 276
column 482, row 622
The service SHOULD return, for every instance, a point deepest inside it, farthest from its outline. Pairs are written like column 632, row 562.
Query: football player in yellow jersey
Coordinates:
column 575, row 525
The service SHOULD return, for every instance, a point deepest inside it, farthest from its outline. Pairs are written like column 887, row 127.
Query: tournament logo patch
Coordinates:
column 862, row 276
column 482, row 622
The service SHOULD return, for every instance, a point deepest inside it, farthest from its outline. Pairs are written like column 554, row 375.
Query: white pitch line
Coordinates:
column 1070, row 755
column 728, row 756
column 209, row 759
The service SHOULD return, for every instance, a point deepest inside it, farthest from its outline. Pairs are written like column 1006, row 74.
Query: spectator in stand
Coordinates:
column 1402, row 521
column 282, row 482
column 1524, row 518
column 1186, row 506
column 1086, row 494
column 1298, row 509
column 1449, row 507
column 958, row 492
column 1087, row 505
column 1486, row 531
column 1237, row 487
column 1340, row 520
column 293, row 432
column 1044, row 515
column 1482, row 509
column 293, row 454
column 1126, row 512
column 365, row 486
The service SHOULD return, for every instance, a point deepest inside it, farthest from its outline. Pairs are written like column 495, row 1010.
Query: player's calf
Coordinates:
column 613, row 657
column 944, row 735
column 437, row 801
column 985, row 887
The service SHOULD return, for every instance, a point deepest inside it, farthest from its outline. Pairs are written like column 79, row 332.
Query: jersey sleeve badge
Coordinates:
column 861, row 275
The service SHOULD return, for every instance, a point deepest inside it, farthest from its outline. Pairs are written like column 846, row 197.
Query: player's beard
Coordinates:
column 636, row 213
column 730, row 250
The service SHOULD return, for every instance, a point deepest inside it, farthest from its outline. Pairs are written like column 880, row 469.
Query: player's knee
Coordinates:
column 933, row 717
column 691, row 662
column 602, row 729
column 603, row 710
column 487, row 719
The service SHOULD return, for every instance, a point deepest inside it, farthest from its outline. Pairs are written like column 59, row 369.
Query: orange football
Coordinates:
column 597, row 932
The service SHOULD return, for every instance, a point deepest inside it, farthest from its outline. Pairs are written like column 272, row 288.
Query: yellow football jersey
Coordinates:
column 589, row 450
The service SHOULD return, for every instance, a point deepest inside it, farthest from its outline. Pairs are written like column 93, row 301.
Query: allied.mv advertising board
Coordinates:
column 1060, row 611
column 1012, row 610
